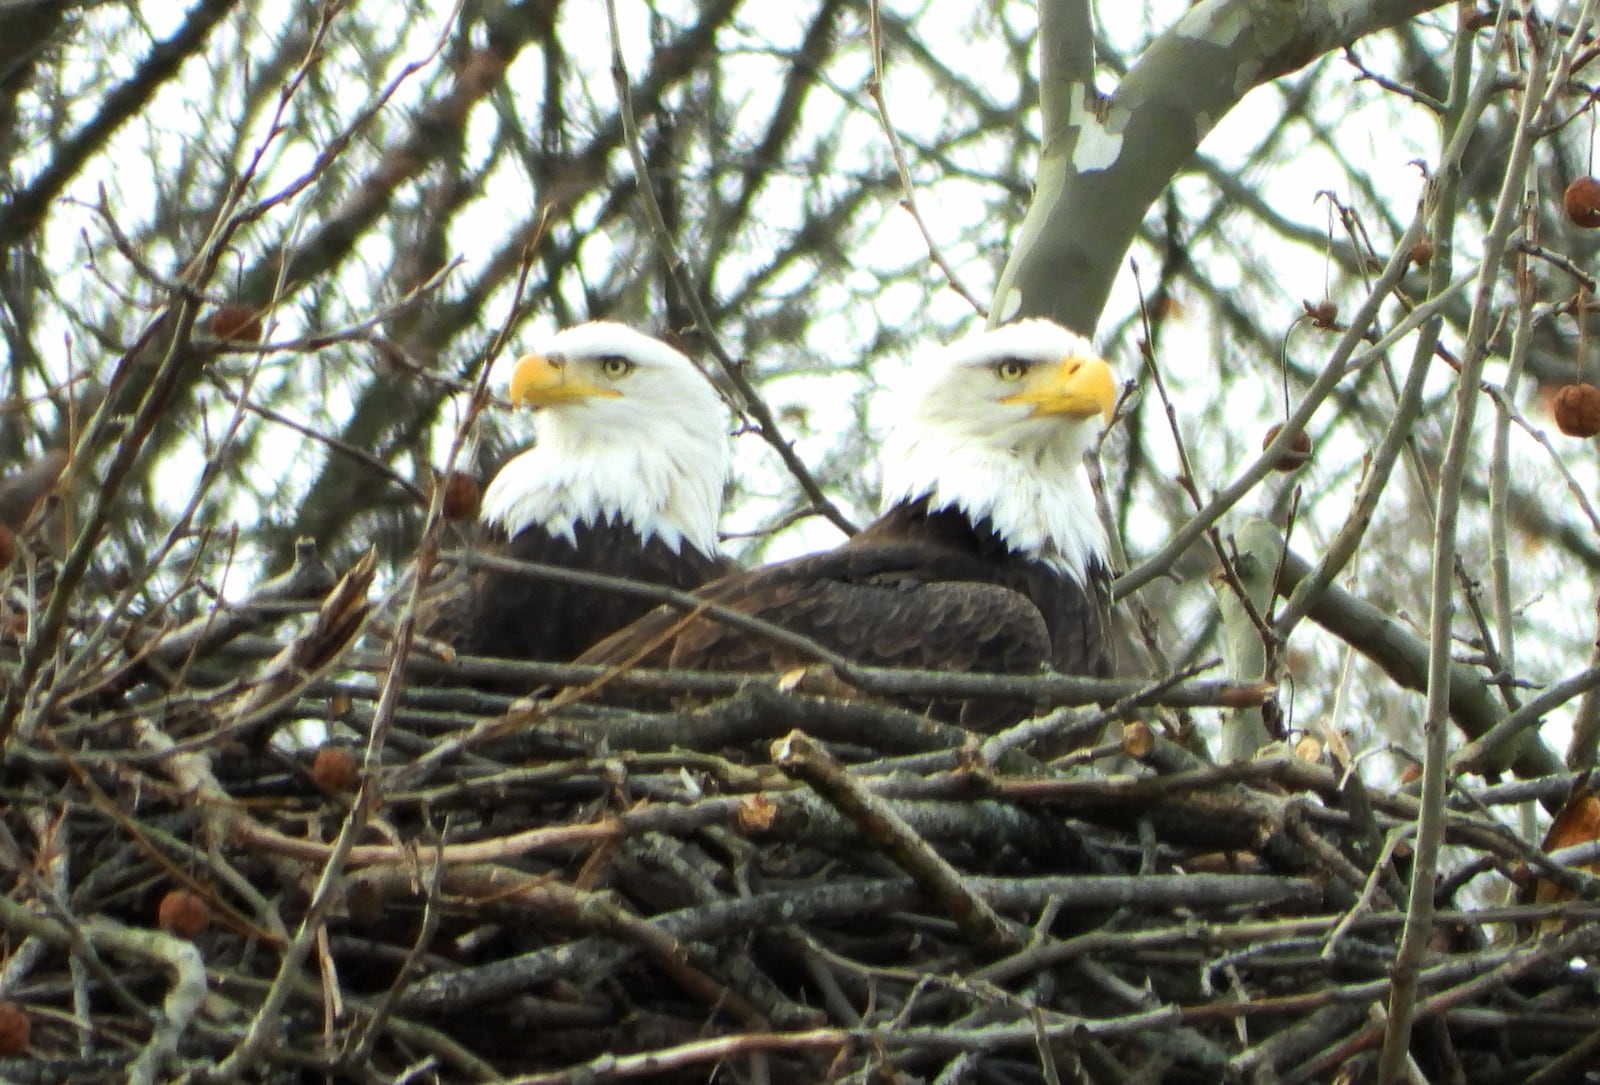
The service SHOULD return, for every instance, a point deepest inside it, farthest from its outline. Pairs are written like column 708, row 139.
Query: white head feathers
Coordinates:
column 996, row 425
column 628, row 430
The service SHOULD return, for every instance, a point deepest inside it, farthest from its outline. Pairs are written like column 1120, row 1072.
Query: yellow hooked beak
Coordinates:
column 1076, row 387
column 538, row 381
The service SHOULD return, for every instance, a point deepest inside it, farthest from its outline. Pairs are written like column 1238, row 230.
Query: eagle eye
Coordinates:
column 1011, row 369
column 615, row 366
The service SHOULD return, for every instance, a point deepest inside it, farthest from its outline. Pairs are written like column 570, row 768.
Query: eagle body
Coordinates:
column 531, row 617
column 988, row 556
column 624, row 479
column 917, row 589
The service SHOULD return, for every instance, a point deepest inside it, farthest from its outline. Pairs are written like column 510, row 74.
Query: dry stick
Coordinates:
column 305, row 582
column 1508, row 966
column 177, row 955
column 843, row 901
column 267, row 1022
column 1478, row 754
column 1413, row 949
column 1503, row 649
column 198, row 782
column 766, row 423
column 1331, row 857
column 1585, row 742
column 227, row 876
column 805, row 760
column 612, row 1067
column 425, row 1037
column 1105, row 944
column 1370, row 890
column 179, row 530
column 909, row 201
column 463, row 707
column 1186, row 474
column 361, row 1052
column 595, row 912
column 1334, row 372
column 265, row 1025
column 1152, row 693
column 163, row 382
column 1580, row 499
column 77, row 942
column 1570, row 1066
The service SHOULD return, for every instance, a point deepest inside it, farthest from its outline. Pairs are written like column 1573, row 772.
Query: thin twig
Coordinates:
column 908, row 199
column 766, row 422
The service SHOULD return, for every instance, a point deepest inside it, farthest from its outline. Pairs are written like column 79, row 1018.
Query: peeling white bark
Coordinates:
column 1099, row 141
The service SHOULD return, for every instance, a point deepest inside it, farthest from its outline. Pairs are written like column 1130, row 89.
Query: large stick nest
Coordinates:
column 314, row 856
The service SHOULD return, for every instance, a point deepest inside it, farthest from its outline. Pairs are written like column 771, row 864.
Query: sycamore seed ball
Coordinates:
column 183, row 913
column 1582, row 202
column 461, row 497
column 1323, row 314
column 15, row 1029
column 1296, row 456
column 335, row 769
column 235, row 323
column 1577, row 410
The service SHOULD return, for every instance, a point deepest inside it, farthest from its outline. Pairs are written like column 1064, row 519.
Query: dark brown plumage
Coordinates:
column 527, row 616
column 947, row 578
column 915, row 590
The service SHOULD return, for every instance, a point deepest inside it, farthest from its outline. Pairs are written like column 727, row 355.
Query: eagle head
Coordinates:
column 996, row 425
column 627, row 429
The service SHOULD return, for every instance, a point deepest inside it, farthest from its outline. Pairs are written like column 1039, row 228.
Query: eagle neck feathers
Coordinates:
column 1037, row 501
column 666, row 485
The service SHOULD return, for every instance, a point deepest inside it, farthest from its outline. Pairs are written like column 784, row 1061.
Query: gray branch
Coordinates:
column 1117, row 154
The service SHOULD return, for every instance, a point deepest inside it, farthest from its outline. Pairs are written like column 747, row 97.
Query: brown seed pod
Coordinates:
column 183, row 913
column 1582, row 202
column 1577, row 410
column 15, row 1029
column 461, row 496
column 1421, row 254
column 1324, row 314
column 8, row 545
column 335, row 769
column 235, row 323
column 1298, row 453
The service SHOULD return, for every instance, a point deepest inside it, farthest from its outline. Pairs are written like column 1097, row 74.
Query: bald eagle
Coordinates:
column 625, row 479
column 988, row 555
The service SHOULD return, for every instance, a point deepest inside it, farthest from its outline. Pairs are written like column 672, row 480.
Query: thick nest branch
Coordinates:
column 236, row 880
